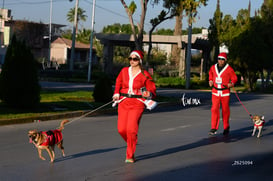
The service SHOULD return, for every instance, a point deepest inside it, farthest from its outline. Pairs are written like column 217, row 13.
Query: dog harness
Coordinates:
column 261, row 123
column 53, row 137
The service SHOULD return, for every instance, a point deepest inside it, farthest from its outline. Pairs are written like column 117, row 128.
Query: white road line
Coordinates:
column 175, row 128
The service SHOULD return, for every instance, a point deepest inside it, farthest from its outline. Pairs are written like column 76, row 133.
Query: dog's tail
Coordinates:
column 62, row 124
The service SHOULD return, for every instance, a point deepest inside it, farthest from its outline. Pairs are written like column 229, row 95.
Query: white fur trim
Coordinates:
column 222, row 57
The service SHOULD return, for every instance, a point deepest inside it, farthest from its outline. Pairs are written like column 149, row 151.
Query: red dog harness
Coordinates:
column 53, row 137
column 260, row 124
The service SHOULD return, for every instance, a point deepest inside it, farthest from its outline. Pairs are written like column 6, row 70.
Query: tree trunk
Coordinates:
column 138, row 38
column 177, row 59
column 267, row 82
column 177, row 31
column 262, row 79
column 246, row 83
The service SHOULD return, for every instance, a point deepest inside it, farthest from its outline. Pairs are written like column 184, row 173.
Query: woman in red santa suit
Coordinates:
column 221, row 78
column 133, row 87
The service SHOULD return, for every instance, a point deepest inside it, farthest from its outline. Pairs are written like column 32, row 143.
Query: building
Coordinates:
column 61, row 52
column 37, row 37
column 5, row 15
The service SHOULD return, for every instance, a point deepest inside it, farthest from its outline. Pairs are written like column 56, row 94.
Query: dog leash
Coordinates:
column 89, row 112
column 242, row 103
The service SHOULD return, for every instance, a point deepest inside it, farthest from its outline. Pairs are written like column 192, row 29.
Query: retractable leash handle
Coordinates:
column 250, row 115
column 114, row 103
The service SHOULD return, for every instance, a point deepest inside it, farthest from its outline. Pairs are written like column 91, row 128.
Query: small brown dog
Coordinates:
column 47, row 140
column 258, row 122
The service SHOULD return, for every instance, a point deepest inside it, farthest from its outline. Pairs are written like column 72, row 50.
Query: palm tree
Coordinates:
column 84, row 36
column 80, row 16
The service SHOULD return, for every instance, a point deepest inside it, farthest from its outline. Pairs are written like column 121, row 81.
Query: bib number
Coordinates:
column 218, row 80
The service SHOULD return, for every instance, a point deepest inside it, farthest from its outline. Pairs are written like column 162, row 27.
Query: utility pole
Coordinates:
column 49, row 36
column 71, row 67
column 91, row 43
column 188, row 60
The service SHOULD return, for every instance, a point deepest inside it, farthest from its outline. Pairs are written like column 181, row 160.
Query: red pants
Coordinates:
column 215, row 111
column 129, row 114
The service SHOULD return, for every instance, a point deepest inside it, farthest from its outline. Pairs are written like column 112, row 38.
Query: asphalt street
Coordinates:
column 173, row 144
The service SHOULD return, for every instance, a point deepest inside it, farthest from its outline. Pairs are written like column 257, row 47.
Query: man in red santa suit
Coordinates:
column 221, row 78
column 133, row 87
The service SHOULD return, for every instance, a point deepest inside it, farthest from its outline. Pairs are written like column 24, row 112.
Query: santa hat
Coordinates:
column 223, row 55
column 139, row 54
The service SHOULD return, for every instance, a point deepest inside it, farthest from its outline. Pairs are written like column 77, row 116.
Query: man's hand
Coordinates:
column 210, row 83
column 230, row 85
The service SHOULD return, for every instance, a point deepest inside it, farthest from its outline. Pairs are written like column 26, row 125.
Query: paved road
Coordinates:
column 173, row 145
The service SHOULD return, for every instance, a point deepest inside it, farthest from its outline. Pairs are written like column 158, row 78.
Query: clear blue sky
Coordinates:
column 108, row 12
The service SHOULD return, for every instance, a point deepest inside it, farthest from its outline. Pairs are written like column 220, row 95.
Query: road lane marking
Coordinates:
column 175, row 128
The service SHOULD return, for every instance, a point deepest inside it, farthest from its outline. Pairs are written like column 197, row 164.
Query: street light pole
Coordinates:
column 49, row 37
column 91, row 43
column 188, row 59
column 74, row 37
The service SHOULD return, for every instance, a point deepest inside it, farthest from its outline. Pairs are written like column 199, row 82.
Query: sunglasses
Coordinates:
column 134, row 59
column 221, row 59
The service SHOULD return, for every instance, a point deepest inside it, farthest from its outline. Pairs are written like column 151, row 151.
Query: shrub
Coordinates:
column 103, row 91
column 170, row 82
column 19, row 84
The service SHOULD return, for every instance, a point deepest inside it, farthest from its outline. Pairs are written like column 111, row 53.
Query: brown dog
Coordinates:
column 47, row 140
column 258, row 122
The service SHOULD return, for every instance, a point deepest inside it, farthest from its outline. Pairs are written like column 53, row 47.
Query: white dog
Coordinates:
column 258, row 123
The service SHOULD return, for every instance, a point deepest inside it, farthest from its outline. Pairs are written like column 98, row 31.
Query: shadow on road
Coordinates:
column 88, row 153
column 251, row 167
column 235, row 135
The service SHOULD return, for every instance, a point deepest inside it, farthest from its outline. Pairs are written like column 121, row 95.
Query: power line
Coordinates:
column 20, row 2
column 110, row 11
column 28, row 2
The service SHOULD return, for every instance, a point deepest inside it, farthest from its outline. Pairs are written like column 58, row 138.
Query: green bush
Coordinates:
column 170, row 82
column 178, row 82
column 103, row 91
column 19, row 84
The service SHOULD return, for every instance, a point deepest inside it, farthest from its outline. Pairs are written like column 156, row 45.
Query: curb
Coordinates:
column 42, row 118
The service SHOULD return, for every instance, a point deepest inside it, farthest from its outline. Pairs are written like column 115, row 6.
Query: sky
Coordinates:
column 108, row 12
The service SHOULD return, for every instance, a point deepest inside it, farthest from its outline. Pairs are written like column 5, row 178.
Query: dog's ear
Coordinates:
column 32, row 132
column 262, row 117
